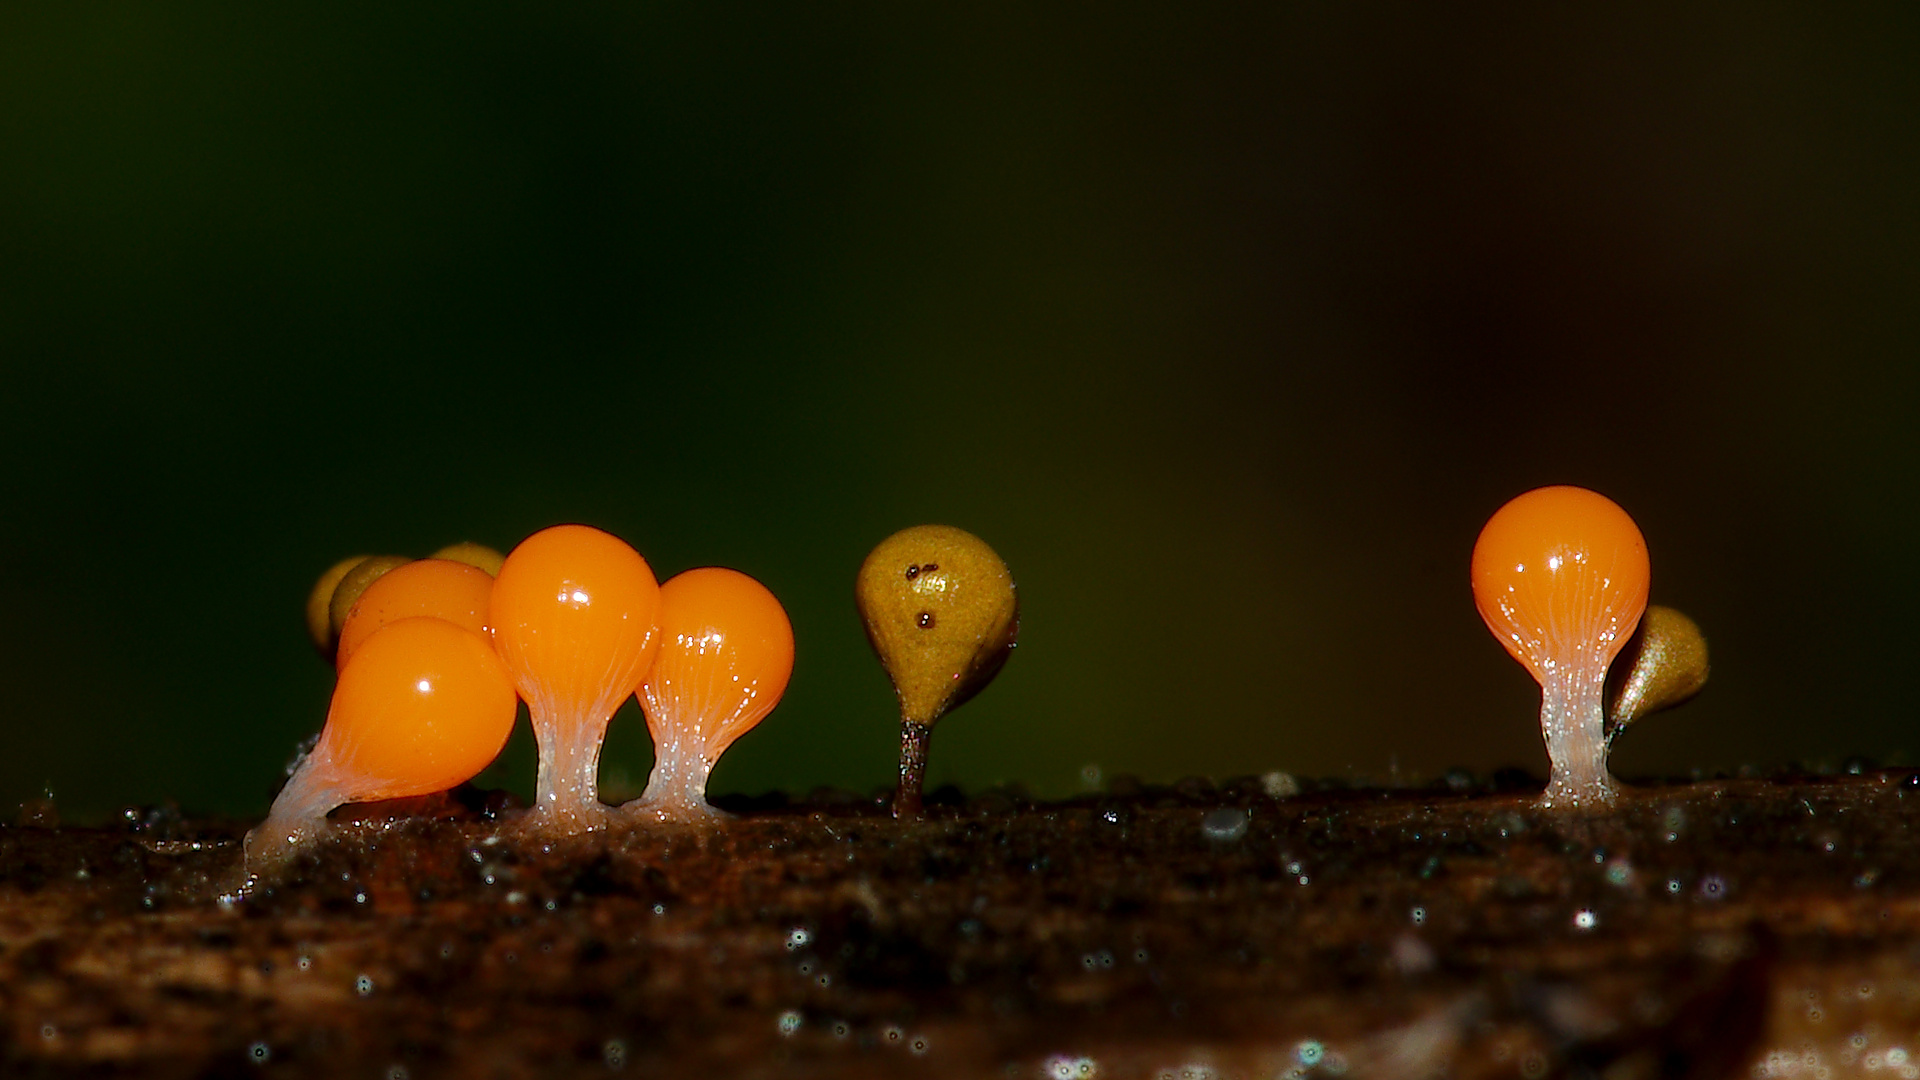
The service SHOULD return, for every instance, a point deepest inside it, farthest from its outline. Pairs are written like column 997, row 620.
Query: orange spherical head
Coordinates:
column 726, row 652
column 423, row 707
column 573, row 616
column 1560, row 577
column 441, row 588
column 346, row 592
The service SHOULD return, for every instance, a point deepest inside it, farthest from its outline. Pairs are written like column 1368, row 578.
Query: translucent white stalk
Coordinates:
column 298, row 817
column 1573, row 722
column 567, row 781
column 677, row 788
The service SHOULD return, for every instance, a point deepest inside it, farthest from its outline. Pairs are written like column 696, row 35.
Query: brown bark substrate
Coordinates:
column 1733, row 928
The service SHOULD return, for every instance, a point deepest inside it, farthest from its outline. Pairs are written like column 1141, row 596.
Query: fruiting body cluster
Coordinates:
column 582, row 625
column 433, row 655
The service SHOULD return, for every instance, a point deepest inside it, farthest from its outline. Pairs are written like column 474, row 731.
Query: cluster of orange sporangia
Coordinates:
column 433, row 655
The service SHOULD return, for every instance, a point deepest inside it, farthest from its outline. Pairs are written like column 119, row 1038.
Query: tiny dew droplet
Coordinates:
column 1225, row 825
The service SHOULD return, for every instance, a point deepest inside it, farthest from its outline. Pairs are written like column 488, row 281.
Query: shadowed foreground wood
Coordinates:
column 1737, row 928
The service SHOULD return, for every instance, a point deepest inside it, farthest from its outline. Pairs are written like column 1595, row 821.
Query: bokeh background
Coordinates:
column 1227, row 328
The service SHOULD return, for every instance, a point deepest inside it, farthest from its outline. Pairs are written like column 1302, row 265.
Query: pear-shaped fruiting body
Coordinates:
column 942, row 613
column 441, row 588
column 476, row 555
column 320, row 628
column 1668, row 667
column 726, row 652
column 424, row 706
column 358, row 578
column 573, row 616
column 1560, row 576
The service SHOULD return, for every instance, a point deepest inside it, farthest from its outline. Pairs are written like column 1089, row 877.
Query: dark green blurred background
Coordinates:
column 1227, row 330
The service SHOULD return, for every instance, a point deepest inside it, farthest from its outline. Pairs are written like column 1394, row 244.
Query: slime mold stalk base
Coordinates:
column 567, row 782
column 1572, row 720
column 914, row 739
column 298, row 817
column 676, row 791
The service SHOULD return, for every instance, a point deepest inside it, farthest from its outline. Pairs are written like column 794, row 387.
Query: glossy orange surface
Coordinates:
column 573, row 613
column 1560, row 577
column 424, row 706
column 573, row 617
column 441, row 588
column 726, row 653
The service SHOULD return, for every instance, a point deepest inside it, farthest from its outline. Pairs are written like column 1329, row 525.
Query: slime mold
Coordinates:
column 478, row 555
column 326, row 618
column 573, row 616
column 347, row 593
column 454, row 591
column 942, row 614
column 1669, row 667
column 423, row 707
column 726, row 652
column 320, row 628
column 1560, row 577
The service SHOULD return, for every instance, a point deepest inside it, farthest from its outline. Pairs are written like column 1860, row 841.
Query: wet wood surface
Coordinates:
column 1747, row 927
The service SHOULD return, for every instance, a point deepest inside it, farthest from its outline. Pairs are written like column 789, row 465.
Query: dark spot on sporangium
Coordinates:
column 913, row 571
column 925, row 620
column 930, row 568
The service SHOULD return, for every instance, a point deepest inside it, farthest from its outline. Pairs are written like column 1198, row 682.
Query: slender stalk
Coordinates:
column 677, row 790
column 567, row 783
column 913, row 768
column 298, row 815
column 1573, row 721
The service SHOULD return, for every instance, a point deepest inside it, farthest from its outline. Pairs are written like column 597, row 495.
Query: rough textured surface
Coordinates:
column 942, row 613
column 1730, row 928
